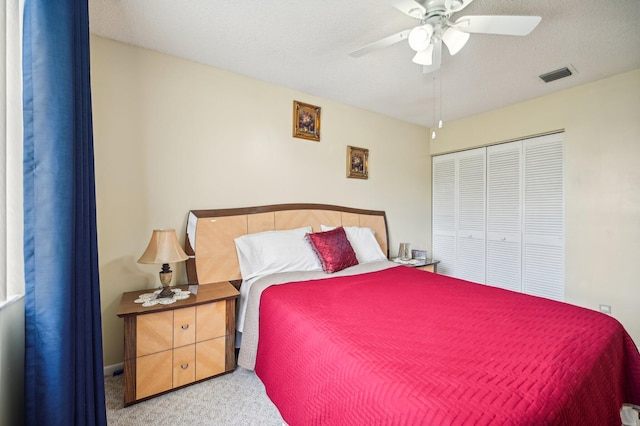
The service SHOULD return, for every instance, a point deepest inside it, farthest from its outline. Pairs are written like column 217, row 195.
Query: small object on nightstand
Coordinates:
column 152, row 299
column 419, row 254
column 404, row 252
column 411, row 262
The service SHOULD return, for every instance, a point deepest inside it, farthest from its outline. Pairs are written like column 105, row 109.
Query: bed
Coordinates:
column 374, row 342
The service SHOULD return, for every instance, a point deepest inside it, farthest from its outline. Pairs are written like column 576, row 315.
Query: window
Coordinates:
column 11, row 213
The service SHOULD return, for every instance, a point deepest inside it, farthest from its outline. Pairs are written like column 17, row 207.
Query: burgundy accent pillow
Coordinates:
column 333, row 249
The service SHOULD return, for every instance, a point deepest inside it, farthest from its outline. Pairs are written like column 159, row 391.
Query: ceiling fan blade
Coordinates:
column 437, row 59
column 503, row 25
column 387, row 41
column 410, row 8
column 454, row 39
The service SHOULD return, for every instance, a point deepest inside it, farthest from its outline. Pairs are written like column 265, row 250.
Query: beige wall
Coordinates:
column 173, row 135
column 602, row 195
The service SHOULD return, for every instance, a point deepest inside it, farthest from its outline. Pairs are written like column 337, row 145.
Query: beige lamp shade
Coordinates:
column 163, row 248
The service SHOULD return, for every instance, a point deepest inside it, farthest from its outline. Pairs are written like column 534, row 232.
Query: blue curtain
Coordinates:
column 64, row 383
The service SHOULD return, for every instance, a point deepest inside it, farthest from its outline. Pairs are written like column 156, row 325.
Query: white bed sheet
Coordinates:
column 242, row 303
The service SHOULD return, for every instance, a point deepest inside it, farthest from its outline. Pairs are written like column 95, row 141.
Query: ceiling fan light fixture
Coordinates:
column 420, row 37
column 424, row 57
column 455, row 40
column 454, row 5
column 416, row 12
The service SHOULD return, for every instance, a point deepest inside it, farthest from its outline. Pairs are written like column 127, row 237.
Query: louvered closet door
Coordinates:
column 470, row 251
column 504, row 216
column 543, row 245
column 444, row 212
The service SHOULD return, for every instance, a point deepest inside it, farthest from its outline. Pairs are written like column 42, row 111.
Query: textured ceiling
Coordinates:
column 304, row 45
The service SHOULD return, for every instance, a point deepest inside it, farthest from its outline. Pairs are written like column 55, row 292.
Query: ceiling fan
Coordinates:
column 436, row 26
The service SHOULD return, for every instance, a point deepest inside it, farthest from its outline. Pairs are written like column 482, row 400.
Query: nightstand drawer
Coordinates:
column 152, row 374
column 184, row 327
column 184, row 365
column 430, row 268
column 211, row 321
column 210, row 357
column 154, row 333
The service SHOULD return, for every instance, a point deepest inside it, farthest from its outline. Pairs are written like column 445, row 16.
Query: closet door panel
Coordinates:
column 471, row 196
column 504, row 265
column 444, row 213
column 504, row 216
column 543, row 226
column 444, row 250
column 470, row 262
column 543, row 273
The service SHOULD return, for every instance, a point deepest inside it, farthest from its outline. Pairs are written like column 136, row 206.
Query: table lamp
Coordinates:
column 164, row 249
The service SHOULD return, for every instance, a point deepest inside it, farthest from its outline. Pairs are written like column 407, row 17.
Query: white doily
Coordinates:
column 152, row 299
column 407, row 262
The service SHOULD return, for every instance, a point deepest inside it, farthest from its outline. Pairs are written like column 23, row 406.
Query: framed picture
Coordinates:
column 306, row 121
column 357, row 162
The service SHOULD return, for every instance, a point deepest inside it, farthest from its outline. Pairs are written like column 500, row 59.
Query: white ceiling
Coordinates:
column 304, row 45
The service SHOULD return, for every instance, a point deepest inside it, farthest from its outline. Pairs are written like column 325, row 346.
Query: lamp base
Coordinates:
column 165, row 293
column 165, row 278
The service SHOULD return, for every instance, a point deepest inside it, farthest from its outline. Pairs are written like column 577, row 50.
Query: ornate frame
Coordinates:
column 306, row 121
column 357, row 162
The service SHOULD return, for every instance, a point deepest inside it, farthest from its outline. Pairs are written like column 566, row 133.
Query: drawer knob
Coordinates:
column 184, row 366
column 185, row 326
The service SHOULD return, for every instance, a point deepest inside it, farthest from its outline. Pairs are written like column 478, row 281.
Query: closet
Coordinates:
column 498, row 215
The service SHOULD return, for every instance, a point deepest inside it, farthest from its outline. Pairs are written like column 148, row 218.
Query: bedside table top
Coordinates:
column 416, row 263
column 206, row 293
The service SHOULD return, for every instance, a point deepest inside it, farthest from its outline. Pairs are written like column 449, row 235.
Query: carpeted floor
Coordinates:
column 237, row 398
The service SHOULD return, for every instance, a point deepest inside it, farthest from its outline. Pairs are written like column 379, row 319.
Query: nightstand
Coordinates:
column 428, row 265
column 171, row 346
column 423, row 264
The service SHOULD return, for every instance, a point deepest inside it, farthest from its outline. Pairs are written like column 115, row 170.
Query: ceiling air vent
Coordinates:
column 556, row 75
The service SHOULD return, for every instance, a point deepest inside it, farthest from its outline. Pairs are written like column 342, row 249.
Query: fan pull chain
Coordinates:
column 437, row 105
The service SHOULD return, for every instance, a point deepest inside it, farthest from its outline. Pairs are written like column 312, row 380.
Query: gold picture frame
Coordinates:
column 306, row 121
column 357, row 162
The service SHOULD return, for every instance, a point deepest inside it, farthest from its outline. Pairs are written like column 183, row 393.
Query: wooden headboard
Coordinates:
column 210, row 233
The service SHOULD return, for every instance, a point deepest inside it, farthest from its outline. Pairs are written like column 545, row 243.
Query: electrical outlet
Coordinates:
column 606, row 309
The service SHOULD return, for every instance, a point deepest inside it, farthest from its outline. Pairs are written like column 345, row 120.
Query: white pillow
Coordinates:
column 364, row 243
column 271, row 252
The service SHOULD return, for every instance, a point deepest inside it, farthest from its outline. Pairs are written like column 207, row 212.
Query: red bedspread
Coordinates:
column 403, row 347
